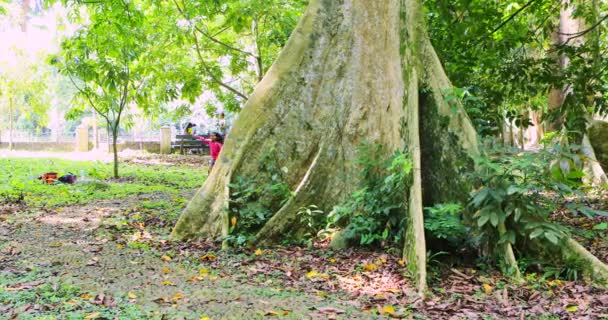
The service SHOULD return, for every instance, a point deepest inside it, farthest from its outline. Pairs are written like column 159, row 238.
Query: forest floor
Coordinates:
column 114, row 259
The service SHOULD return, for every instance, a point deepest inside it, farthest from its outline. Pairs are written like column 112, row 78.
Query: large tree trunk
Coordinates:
column 352, row 71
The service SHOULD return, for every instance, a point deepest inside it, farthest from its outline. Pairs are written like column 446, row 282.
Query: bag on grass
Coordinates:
column 68, row 178
column 48, row 178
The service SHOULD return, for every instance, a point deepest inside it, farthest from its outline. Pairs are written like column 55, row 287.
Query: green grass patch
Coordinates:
column 58, row 300
column 18, row 181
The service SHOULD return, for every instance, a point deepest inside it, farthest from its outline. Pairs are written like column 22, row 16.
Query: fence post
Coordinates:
column 82, row 139
column 165, row 140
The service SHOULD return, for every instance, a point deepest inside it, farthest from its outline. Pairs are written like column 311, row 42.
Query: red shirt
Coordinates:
column 214, row 147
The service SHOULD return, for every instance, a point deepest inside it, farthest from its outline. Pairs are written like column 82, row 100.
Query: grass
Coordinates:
column 18, row 181
column 60, row 300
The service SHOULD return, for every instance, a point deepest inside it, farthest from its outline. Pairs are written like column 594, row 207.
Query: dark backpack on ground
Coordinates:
column 68, row 178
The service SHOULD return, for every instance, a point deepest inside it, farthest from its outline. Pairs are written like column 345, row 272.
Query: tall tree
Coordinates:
column 352, row 71
column 23, row 94
column 109, row 63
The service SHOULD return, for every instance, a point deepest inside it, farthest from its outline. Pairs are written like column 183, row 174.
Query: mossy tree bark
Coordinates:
column 352, row 71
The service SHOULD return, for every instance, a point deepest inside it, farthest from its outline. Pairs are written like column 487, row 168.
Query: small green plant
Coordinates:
column 375, row 212
column 443, row 221
column 313, row 220
column 253, row 200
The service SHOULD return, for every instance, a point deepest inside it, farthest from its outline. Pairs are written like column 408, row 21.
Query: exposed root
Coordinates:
column 286, row 217
column 598, row 176
column 509, row 256
column 595, row 270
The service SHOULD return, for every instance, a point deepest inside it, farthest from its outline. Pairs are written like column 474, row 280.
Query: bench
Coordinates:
column 185, row 142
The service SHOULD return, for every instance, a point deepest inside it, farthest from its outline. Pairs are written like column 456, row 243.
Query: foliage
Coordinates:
column 253, row 200
column 18, row 181
column 313, row 220
column 23, row 96
column 481, row 41
column 234, row 43
column 375, row 212
column 520, row 190
column 444, row 221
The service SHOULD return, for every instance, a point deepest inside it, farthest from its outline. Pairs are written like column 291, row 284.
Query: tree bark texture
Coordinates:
column 353, row 71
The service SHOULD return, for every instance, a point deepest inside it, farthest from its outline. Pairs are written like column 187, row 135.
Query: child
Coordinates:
column 189, row 128
column 215, row 146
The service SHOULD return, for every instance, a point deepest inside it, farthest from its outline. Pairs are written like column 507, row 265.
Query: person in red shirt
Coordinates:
column 215, row 143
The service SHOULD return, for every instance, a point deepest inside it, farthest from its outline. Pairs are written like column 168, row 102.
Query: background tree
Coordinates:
column 233, row 42
column 23, row 95
column 109, row 62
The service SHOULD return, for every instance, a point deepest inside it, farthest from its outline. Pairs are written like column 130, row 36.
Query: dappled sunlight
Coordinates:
column 80, row 217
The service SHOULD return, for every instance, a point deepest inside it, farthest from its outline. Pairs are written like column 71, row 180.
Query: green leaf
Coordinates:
column 494, row 219
column 483, row 219
column 601, row 226
column 537, row 232
column 517, row 215
column 552, row 237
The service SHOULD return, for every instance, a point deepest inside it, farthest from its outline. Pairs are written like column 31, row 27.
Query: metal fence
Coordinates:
column 27, row 137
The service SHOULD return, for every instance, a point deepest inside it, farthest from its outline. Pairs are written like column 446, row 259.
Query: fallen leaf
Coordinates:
column 208, row 257
column 56, row 244
column 258, row 252
column 167, row 283
column 166, row 258
column 330, row 310
column 24, row 285
column 388, row 310
column 401, row 262
column 312, row 274
column 370, row 267
column 166, row 270
column 572, row 308
column 204, row 318
column 94, row 315
column 487, row 288
column 177, row 297
column 131, row 295
column 203, row 271
column 85, row 296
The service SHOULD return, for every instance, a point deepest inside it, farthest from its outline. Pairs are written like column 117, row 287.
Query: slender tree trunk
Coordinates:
column 115, row 149
column 10, row 123
column 95, row 131
column 25, row 10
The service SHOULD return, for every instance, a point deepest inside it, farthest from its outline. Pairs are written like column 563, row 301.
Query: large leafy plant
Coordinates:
column 519, row 190
column 374, row 213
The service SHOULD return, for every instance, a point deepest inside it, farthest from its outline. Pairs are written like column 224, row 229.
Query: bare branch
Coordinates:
column 511, row 17
column 221, row 83
column 584, row 32
column 84, row 92
column 211, row 37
